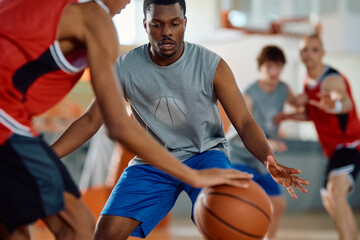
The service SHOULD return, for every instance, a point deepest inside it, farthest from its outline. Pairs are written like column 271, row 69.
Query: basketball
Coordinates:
column 227, row 212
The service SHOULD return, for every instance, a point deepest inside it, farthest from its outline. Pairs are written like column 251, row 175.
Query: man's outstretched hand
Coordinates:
column 286, row 176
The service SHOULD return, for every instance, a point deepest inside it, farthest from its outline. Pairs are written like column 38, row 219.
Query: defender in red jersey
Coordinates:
column 331, row 107
column 44, row 50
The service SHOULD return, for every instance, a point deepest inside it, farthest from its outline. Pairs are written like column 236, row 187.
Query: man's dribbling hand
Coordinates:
column 216, row 176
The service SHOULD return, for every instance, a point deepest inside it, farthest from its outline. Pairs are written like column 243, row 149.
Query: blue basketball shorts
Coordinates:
column 147, row 194
column 32, row 181
column 265, row 180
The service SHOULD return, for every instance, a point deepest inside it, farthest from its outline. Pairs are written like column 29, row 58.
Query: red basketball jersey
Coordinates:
column 334, row 130
column 34, row 74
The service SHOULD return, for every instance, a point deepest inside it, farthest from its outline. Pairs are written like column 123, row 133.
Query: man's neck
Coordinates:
column 315, row 73
column 267, row 86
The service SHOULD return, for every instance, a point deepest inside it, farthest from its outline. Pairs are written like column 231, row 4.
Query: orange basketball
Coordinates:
column 226, row 212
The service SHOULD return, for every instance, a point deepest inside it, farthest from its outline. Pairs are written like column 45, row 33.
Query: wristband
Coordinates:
column 338, row 107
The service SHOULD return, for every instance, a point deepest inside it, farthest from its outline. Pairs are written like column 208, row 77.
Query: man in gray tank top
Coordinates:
column 174, row 88
column 265, row 99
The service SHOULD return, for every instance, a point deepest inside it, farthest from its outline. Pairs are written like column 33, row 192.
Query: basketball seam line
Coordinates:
column 244, row 200
column 168, row 108
column 227, row 224
column 203, row 230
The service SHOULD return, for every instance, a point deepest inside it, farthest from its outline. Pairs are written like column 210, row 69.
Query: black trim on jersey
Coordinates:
column 31, row 71
column 329, row 71
column 343, row 120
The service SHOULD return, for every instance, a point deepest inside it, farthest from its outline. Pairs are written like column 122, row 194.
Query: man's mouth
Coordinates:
column 166, row 45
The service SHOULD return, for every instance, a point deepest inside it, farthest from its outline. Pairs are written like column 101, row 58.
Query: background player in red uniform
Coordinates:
column 43, row 53
column 332, row 109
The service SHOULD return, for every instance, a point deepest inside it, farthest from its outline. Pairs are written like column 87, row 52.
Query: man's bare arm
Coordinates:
column 250, row 132
column 333, row 96
column 79, row 131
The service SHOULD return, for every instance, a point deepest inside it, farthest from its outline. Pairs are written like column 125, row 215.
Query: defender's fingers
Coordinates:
column 301, row 188
column 291, row 192
column 293, row 170
column 300, row 180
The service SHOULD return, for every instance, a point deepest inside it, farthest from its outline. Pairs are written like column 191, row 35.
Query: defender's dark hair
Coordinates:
column 147, row 4
column 270, row 53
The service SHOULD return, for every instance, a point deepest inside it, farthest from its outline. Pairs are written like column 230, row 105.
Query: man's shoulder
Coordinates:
column 132, row 56
column 331, row 71
column 201, row 53
column 132, row 52
column 199, row 47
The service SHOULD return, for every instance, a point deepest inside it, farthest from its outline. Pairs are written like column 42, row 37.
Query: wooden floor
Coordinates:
column 294, row 226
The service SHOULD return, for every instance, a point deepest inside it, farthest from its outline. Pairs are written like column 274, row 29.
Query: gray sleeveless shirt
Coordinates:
column 265, row 107
column 176, row 104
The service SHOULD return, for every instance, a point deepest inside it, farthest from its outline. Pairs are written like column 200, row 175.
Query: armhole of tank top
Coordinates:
column 61, row 61
column 99, row 2
column 13, row 125
column 103, row 6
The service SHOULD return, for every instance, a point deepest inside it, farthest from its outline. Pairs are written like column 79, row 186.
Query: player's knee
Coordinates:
column 21, row 233
column 336, row 193
column 112, row 227
column 76, row 232
column 106, row 234
column 85, row 230
column 85, row 226
column 282, row 204
column 279, row 204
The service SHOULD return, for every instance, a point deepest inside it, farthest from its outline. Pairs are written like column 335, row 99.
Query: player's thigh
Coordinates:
column 206, row 160
column 342, row 171
column 31, row 184
column 115, row 227
column 76, row 217
column 338, row 185
column 145, row 194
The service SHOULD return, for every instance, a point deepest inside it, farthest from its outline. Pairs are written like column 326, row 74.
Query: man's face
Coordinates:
column 271, row 71
column 311, row 52
column 165, row 26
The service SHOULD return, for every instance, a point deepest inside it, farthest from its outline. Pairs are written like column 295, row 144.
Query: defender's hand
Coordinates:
column 286, row 176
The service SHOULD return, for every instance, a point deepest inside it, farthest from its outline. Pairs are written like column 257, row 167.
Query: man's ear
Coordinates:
column 145, row 25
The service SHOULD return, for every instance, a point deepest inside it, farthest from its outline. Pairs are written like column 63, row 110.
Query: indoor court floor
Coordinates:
column 295, row 226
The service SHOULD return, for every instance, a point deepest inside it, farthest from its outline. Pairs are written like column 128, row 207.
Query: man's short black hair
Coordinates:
column 147, row 4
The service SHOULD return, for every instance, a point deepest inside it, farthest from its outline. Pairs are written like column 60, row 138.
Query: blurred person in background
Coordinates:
column 332, row 108
column 265, row 99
